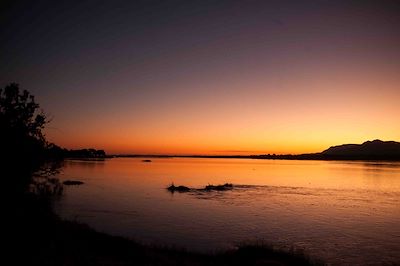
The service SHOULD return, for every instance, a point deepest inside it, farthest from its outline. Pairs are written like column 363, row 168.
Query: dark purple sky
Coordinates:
column 207, row 76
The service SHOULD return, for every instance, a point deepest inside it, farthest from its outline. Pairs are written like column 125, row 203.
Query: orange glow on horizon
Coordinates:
column 253, row 113
column 267, row 77
column 250, row 120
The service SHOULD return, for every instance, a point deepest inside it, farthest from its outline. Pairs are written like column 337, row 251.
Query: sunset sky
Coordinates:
column 207, row 77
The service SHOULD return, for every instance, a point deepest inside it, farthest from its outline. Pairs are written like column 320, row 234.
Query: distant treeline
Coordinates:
column 322, row 156
column 85, row 153
column 369, row 150
column 55, row 151
column 311, row 156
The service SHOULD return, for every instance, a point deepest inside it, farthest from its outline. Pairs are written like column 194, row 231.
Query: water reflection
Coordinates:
column 342, row 212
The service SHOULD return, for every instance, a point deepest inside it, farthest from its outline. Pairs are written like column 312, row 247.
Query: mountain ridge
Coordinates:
column 375, row 148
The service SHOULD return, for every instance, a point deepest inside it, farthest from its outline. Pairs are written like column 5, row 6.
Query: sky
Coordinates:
column 207, row 77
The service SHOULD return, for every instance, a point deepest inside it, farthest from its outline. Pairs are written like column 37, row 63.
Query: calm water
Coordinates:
column 340, row 212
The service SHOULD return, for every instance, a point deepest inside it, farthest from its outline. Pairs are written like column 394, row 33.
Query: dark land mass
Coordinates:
column 85, row 153
column 369, row 150
column 72, row 183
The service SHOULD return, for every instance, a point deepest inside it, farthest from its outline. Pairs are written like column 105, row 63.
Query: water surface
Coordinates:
column 340, row 212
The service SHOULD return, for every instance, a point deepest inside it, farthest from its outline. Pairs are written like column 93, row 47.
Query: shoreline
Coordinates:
column 49, row 240
column 255, row 157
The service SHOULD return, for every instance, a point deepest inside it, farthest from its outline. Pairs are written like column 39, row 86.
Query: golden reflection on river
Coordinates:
column 340, row 212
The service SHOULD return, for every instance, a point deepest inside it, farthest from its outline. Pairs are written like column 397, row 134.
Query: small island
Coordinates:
column 227, row 186
column 73, row 183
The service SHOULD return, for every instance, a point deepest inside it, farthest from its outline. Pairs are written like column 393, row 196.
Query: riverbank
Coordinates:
column 39, row 237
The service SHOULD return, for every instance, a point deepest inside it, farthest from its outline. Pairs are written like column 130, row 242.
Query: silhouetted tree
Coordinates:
column 21, row 138
column 23, row 147
column 19, row 112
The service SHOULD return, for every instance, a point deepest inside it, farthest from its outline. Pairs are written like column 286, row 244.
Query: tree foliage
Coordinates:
column 23, row 147
column 22, row 122
column 20, row 115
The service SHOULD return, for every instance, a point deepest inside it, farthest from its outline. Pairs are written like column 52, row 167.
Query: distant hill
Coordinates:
column 376, row 149
column 369, row 150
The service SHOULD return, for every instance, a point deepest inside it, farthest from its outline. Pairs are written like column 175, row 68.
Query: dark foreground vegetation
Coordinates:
column 34, row 235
